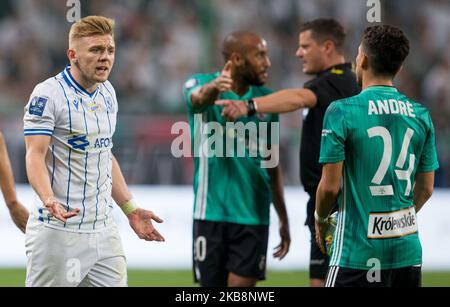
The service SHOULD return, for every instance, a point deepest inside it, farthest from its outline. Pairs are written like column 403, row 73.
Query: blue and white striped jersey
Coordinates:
column 79, row 159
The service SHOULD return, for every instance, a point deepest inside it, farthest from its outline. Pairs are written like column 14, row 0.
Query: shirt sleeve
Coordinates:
column 189, row 87
column 39, row 118
column 428, row 160
column 334, row 135
column 320, row 87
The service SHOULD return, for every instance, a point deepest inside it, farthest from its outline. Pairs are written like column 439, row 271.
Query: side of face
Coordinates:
column 94, row 57
column 255, row 63
column 361, row 64
column 311, row 53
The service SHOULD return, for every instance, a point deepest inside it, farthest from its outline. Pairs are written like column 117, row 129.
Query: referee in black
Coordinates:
column 321, row 43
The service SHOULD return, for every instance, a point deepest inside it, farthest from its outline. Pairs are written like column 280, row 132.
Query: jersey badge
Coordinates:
column 94, row 107
column 37, row 106
column 190, row 84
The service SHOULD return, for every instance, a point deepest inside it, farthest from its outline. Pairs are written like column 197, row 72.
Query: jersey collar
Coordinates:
column 385, row 88
column 75, row 85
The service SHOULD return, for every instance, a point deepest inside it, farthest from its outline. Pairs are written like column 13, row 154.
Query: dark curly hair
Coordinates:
column 323, row 29
column 386, row 47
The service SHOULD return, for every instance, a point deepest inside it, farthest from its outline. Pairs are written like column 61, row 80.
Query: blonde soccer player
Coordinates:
column 69, row 123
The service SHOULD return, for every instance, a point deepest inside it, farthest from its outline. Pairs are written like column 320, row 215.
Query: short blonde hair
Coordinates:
column 91, row 26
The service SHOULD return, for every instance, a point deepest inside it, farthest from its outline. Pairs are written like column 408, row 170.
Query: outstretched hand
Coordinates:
column 141, row 222
column 56, row 210
column 233, row 109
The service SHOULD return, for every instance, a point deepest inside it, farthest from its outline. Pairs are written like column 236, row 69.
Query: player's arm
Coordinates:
column 18, row 212
column 140, row 219
column 284, row 101
column 276, row 181
column 36, row 151
column 424, row 181
column 423, row 189
column 326, row 197
column 208, row 94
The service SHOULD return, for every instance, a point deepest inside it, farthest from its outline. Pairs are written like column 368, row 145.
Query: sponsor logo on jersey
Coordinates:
column 79, row 142
column 393, row 224
column 103, row 143
column 76, row 103
column 336, row 71
column 326, row 132
column 37, row 106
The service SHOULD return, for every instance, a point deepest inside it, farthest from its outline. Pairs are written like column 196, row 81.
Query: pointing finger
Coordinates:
column 227, row 69
column 223, row 102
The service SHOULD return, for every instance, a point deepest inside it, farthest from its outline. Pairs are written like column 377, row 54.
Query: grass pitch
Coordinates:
column 144, row 278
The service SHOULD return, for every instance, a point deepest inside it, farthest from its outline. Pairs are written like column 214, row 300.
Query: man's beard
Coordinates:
column 250, row 77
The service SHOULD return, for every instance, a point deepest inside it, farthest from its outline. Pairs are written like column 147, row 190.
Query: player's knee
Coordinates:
column 235, row 281
column 317, row 283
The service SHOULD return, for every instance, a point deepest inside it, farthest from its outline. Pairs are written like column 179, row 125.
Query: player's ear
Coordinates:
column 237, row 59
column 329, row 46
column 71, row 54
column 364, row 61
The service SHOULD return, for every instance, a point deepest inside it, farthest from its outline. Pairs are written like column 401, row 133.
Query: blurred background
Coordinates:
column 160, row 44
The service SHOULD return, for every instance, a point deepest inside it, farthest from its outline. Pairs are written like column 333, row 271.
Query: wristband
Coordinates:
column 129, row 207
column 319, row 219
column 251, row 107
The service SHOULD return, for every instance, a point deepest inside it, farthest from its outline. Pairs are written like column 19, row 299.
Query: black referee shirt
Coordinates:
column 338, row 82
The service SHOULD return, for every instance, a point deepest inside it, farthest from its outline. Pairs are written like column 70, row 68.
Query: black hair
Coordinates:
column 323, row 29
column 386, row 47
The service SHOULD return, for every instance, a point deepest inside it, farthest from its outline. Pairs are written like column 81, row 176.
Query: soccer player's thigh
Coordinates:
column 57, row 258
column 209, row 254
column 248, row 250
column 110, row 270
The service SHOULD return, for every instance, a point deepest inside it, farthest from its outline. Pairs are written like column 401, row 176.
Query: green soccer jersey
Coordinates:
column 384, row 139
column 229, row 184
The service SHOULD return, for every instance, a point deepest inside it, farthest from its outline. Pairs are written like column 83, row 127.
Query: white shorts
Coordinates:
column 58, row 258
